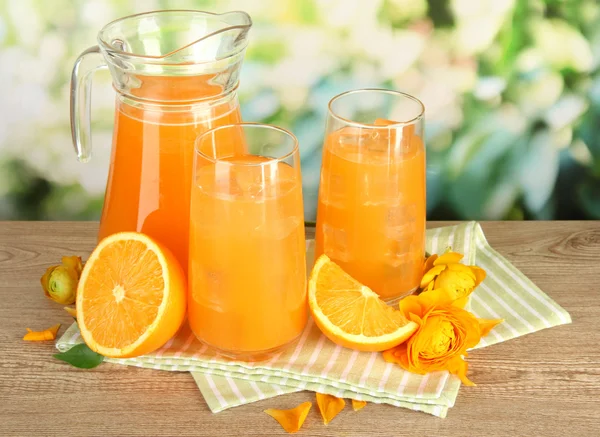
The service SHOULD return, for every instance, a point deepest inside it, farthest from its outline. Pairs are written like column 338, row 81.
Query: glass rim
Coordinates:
column 271, row 160
column 353, row 123
column 110, row 49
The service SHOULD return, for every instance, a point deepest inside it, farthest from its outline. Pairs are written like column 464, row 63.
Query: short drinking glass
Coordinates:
column 371, row 210
column 247, row 269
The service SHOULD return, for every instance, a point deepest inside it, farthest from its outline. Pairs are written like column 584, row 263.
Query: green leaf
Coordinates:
column 435, row 184
column 81, row 356
column 589, row 197
column 539, row 169
column 440, row 12
column 485, row 187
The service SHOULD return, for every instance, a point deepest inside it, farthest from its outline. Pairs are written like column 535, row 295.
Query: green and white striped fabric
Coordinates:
column 314, row 363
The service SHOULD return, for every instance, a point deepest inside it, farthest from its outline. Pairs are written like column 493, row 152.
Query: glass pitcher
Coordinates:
column 176, row 74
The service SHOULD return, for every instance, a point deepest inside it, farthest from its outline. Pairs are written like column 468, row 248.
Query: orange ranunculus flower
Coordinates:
column 445, row 333
column 447, row 272
column 60, row 282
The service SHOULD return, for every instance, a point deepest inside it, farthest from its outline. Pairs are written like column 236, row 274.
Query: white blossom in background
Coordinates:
column 478, row 22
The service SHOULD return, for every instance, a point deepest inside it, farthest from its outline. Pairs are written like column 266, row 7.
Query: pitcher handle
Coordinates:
column 81, row 97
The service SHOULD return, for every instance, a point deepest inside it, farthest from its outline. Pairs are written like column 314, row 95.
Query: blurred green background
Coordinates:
column 511, row 87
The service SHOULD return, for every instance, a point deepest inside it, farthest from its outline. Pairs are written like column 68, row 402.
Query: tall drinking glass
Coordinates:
column 371, row 210
column 247, row 268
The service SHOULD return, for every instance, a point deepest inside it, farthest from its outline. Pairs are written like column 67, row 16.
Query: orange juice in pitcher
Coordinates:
column 176, row 75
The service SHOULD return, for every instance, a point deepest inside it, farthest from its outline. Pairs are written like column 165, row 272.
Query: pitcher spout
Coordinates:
column 228, row 36
column 177, row 36
column 159, row 55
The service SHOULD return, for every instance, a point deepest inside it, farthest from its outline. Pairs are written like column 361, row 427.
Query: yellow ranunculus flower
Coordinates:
column 446, row 272
column 60, row 282
column 444, row 335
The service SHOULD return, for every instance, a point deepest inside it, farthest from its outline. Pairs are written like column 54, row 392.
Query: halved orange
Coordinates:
column 351, row 314
column 131, row 297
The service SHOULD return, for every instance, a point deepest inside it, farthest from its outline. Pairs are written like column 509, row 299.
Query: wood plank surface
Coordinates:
column 542, row 384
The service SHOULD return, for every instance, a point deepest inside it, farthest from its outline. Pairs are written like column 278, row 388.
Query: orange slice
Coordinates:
column 131, row 297
column 352, row 315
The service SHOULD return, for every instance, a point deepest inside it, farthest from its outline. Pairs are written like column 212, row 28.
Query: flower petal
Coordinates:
column 45, row 280
column 54, row 329
column 461, row 302
column 459, row 367
column 397, row 355
column 291, row 420
column 410, row 305
column 448, row 258
column 329, row 406
column 472, row 329
column 461, row 283
column 358, row 405
column 47, row 334
column 486, row 325
column 461, row 268
column 72, row 312
column 429, row 263
column 73, row 262
column 415, row 318
column 436, row 298
column 438, row 336
column 430, row 275
column 480, row 274
column 390, row 357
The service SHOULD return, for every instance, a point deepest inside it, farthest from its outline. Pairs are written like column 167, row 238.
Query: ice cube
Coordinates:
column 206, row 285
column 380, row 189
column 214, row 278
column 250, row 181
column 400, row 232
column 350, row 136
column 403, row 214
column 335, row 243
column 400, row 229
column 399, row 277
column 332, row 191
column 399, row 250
column 282, row 228
column 220, row 181
column 377, row 141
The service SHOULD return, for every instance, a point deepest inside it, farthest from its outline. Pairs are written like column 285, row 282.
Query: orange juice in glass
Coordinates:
column 371, row 207
column 176, row 75
column 247, row 268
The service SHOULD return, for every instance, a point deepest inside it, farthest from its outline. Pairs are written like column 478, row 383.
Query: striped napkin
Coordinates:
column 317, row 364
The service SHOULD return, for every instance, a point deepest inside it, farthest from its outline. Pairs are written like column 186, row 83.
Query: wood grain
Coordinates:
column 543, row 384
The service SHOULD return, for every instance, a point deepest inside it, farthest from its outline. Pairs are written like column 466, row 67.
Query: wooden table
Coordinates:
column 543, row 384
